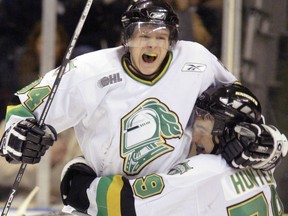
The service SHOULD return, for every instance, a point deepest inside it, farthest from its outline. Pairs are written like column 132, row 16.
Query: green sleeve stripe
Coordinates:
column 127, row 199
column 115, row 197
column 101, row 196
column 18, row 110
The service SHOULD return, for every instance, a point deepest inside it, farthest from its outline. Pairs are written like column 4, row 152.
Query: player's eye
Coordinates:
column 160, row 38
column 200, row 130
column 144, row 36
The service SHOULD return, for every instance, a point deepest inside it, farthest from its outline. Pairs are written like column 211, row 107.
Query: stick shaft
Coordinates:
column 65, row 61
column 50, row 99
column 14, row 189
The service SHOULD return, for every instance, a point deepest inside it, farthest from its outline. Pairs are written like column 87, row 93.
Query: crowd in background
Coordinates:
column 19, row 27
column 19, row 31
column 20, row 45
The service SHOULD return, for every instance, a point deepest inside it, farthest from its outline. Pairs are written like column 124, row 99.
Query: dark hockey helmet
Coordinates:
column 230, row 105
column 150, row 11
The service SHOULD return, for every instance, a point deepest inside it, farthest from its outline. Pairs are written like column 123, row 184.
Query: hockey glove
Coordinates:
column 26, row 141
column 251, row 145
column 76, row 177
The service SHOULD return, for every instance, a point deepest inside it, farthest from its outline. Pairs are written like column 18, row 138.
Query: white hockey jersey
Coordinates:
column 202, row 185
column 126, row 125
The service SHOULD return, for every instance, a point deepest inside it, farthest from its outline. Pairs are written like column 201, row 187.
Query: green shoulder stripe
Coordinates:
column 101, row 198
column 18, row 110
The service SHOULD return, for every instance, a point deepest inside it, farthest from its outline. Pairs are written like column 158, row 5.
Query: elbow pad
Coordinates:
column 76, row 177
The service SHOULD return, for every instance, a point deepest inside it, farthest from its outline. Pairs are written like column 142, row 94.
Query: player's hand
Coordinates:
column 257, row 146
column 76, row 177
column 26, row 141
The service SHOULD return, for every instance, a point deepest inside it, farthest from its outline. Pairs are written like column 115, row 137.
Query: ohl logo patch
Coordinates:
column 108, row 80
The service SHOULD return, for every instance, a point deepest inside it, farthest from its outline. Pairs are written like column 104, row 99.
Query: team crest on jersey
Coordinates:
column 194, row 67
column 144, row 134
column 180, row 168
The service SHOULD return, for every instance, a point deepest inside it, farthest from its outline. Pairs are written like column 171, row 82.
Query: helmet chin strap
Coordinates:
column 216, row 149
column 219, row 125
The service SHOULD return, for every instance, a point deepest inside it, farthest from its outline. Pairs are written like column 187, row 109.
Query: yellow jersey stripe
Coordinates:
column 18, row 110
column 114, row 195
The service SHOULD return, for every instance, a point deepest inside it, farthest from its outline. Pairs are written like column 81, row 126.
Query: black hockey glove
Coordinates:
column 26, row 141
column 251, row 145
column 76, row 177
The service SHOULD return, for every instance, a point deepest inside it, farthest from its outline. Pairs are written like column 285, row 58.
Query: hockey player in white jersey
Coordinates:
column 200, row 185
column 130, row 105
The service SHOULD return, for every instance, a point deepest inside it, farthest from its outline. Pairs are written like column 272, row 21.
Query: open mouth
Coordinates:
column 200, row 149
column 149, row 57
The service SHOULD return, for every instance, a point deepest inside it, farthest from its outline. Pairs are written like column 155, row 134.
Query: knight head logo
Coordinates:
column 144, row 132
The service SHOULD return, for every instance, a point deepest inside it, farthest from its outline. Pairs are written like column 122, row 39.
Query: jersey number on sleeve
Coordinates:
column 148, row 186
column 36, row 97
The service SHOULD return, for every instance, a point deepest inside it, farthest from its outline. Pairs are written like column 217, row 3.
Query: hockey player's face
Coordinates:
column 201, row 135
column 148, row 47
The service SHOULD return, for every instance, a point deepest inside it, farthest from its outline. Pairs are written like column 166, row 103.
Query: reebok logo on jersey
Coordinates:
column 108, row 80
column 194, row 67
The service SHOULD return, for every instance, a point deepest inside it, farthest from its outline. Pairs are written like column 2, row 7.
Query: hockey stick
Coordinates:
column 46, row 108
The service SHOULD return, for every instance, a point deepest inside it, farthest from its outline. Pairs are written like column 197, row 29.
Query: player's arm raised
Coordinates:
column 257, row 145
column 244, row 140
column 24, row 140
